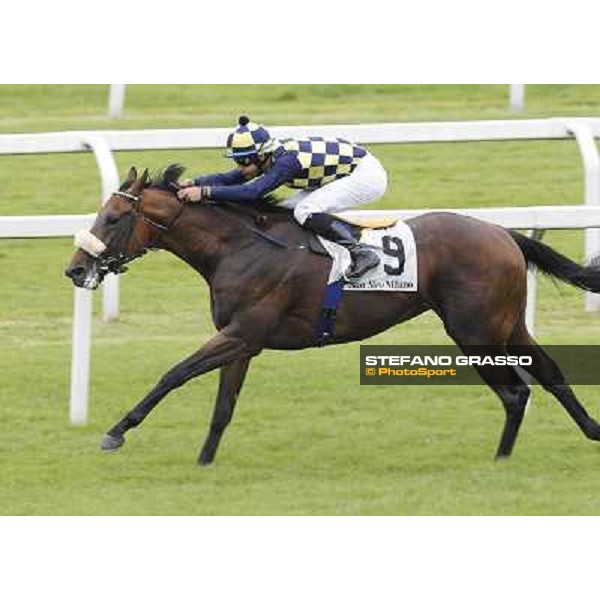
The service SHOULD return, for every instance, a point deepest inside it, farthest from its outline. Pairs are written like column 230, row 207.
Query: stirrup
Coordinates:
column 370, row 261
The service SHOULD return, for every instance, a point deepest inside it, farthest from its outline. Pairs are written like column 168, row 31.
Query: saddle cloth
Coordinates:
column 397, row 251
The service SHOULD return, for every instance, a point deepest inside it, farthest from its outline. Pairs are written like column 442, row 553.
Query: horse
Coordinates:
column 266, row 289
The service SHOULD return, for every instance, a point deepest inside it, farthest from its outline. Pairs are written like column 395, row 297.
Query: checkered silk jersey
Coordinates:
column 323, row 160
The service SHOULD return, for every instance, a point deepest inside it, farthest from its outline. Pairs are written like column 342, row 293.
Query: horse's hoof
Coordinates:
column 110, row 443
column 204, row 461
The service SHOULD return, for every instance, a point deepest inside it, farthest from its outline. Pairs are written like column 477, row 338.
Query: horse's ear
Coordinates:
column 140, row 183
column 131, row 177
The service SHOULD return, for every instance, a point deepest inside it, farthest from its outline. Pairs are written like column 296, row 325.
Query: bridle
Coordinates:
column 115, row 262
column 136, row 202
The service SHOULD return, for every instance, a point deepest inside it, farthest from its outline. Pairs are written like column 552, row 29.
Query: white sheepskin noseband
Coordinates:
column 87, row 241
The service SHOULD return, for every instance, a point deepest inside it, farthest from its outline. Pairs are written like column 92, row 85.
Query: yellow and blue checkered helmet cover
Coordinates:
column 249, row 139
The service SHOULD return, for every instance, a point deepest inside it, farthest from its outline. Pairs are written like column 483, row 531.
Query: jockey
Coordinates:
column 332, row 174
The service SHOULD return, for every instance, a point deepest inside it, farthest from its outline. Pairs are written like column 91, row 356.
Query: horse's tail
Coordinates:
column 554, row 263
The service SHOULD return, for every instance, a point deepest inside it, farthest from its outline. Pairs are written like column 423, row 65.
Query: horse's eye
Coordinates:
column 112, row 218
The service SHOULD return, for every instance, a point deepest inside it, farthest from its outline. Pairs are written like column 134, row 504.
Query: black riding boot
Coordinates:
column 363, row 259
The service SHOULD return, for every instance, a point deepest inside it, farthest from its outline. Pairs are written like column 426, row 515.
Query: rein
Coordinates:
column 265, row 236
column 136, row 202
column 115, row 262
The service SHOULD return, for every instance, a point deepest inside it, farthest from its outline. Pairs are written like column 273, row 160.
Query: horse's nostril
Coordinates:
column 75, row 272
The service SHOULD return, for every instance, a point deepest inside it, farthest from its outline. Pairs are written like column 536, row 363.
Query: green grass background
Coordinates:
column 306, row 438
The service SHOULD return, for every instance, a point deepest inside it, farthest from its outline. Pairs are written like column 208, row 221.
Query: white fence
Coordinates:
column 104, row 143
column 538, row 218
column 116, row 98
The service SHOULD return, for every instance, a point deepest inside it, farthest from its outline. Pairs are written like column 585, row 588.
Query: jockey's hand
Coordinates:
column 190, row 194
column 186, row 183
column 272, row 198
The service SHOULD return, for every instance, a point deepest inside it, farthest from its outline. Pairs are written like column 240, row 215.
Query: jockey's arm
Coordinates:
column 282, row 171
column 234, row 177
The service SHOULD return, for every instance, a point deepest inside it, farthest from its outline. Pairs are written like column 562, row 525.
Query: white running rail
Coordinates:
column 104, row 143
column 535, row 218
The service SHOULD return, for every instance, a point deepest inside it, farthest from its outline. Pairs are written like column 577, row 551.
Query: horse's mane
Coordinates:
column 166, row 181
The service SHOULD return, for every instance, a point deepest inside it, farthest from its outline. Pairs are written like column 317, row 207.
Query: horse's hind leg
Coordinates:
column 230, row 383
column 514, row 394
column 468, row 333
column 508, row 385
column 549, row 375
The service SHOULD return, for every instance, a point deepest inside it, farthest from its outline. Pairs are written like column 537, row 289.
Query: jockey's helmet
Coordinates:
column 248, row 141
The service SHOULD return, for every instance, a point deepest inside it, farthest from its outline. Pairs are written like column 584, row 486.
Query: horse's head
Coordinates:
column 130, row 223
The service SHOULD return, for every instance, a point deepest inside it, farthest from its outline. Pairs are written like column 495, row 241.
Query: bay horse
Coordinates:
column 266, row 289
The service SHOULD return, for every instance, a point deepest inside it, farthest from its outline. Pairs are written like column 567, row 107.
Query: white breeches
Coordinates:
column 365, row 184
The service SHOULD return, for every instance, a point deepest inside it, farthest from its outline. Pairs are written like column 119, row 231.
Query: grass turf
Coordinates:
column 306, row 438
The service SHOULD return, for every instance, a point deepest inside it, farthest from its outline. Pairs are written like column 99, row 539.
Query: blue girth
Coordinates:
column 329, row 306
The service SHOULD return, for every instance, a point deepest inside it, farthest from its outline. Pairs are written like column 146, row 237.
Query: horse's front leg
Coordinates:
column 230, row 383
column 217, row 352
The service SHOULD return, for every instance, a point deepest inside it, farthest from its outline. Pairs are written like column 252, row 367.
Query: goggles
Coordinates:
column 243, row 160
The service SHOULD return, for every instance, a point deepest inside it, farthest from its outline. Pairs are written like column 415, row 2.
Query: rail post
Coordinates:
column 80, row 357
column 109, row 176
column 116, row 100
column 535, row 234
column 517, row 97
column 591, row 164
